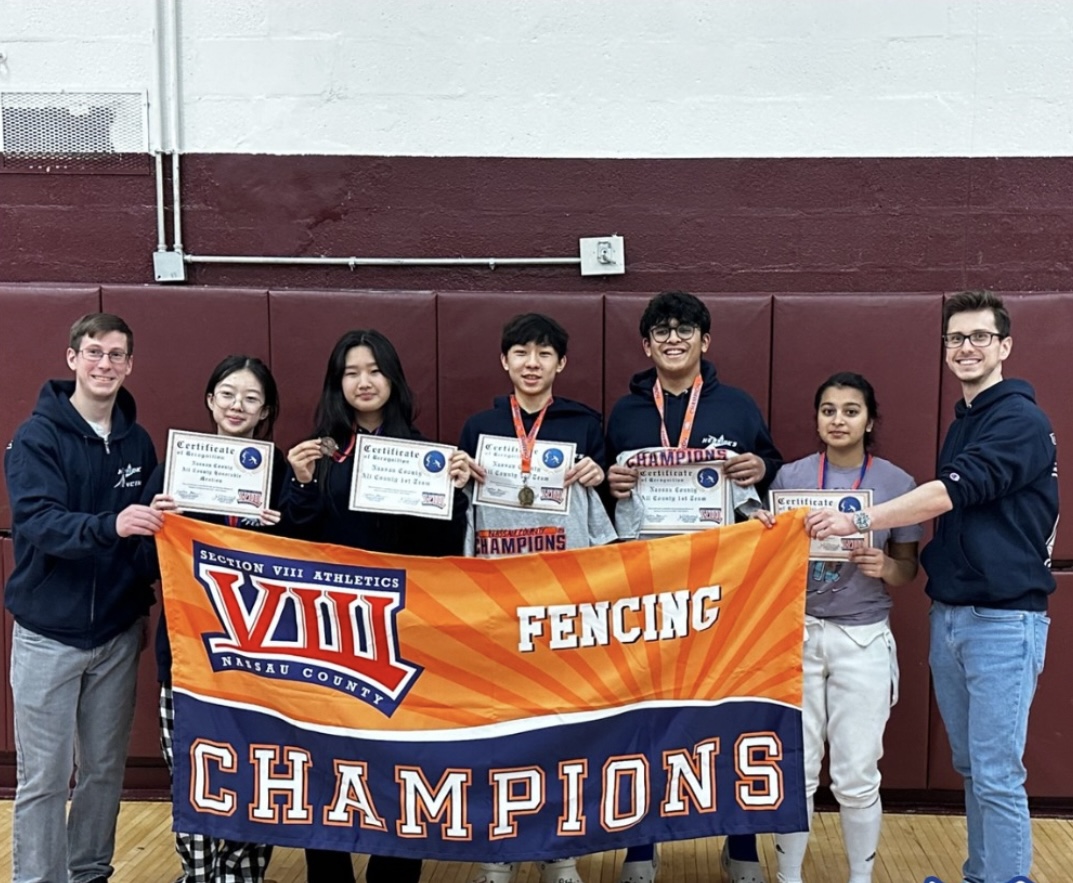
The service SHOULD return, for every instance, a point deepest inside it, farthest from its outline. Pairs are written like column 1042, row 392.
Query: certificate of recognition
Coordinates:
column 505, row 486
column 402, row 477
column 692, row 496
column 218, row 474
column 845, row 500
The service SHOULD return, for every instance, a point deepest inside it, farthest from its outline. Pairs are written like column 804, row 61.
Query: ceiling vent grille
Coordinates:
column 74, row 132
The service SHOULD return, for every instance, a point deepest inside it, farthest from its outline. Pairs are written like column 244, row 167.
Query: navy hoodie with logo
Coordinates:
column 999, row 466
column 75, row 580
column 726, row 417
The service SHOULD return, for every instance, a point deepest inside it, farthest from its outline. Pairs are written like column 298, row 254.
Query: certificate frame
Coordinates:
column 402, row 476
column 684, row 498
column 501, row 458
column 218, row 474
column 840, row 500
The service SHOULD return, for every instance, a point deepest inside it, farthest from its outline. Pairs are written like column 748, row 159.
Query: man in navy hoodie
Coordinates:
column 79, row 597
column 680, row 402
column 988, row 577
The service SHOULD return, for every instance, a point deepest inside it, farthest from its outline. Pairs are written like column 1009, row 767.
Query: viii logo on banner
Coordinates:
column 519, row 708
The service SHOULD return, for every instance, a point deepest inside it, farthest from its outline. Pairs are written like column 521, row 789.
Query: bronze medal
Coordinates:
column 526, row 496
column 328, row 446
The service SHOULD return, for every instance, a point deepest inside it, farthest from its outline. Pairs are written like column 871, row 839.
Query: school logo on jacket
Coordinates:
column 720, row 441
column 327, row 624
column 126, row 476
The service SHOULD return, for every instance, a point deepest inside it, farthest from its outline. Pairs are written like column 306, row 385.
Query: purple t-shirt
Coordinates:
column 836, row 591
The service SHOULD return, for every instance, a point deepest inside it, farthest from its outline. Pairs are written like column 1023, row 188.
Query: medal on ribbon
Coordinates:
column 527, row 441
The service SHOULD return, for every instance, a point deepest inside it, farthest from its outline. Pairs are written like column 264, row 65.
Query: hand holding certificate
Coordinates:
column 846, row 500
column 402, row 477
column 218, row 474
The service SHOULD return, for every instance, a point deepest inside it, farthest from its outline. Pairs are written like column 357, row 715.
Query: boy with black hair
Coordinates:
column 533, row 353
column 79, row 593
column 680, row 402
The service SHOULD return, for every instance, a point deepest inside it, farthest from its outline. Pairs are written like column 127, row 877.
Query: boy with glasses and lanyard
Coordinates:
column 989, row 578
column 79, row 594
column 680, row 402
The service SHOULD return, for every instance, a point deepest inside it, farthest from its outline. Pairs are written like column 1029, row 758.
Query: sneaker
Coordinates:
column 740, row 872
column 494, row 872
column 640, row 872
column 562, row 870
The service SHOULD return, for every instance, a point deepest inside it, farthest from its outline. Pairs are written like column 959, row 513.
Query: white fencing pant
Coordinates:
column 850, row 683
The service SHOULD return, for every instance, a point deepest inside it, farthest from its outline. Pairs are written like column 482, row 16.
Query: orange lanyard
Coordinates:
column 822, row 477
column 527, row 440
column 687, row 421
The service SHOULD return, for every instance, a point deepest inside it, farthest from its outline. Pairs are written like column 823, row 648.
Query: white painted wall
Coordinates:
column 587, row 78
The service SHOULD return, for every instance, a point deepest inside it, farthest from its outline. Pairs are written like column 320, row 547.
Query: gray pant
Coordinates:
column 73, row 713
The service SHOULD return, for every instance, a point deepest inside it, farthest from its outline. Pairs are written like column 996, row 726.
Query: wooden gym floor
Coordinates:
column 913, row 847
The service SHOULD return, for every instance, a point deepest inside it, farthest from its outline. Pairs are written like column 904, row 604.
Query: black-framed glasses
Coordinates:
column 95, row 354
column 684, row 330
column 977, row 338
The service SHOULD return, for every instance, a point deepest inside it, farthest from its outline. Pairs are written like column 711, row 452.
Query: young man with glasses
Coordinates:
column 79, row 594
column 680, row 402
column 989, row 578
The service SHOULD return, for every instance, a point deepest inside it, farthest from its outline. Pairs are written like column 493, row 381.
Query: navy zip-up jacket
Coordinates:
column 564, row 421
column 726, row 417
column 999, row 465
column 75, row 580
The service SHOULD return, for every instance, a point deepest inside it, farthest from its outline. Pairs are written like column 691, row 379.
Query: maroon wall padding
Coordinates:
column 7, row 725
column 1050, row 722
column 35, row 321
column 740, row 347
column 815, row 336
column 470, row 373
column 177, row 343
column 1040, row 328
column 306, row 326
column 145, row 735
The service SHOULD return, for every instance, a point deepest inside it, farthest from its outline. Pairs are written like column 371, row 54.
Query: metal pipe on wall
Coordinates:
column 158, row 93
column 173, row 46
column 491, row 263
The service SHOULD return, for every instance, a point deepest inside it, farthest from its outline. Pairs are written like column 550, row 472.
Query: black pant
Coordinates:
column 325, row 866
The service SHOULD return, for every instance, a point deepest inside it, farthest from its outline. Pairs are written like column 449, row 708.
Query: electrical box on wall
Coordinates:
column 603, row 256
column 168, row 266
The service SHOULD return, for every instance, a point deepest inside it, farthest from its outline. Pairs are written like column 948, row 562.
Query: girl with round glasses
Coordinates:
column 850, row 665
column 364, row 392
column 243, row 402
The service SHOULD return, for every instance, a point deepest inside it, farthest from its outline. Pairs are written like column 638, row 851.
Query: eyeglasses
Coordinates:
column 226, row 399
column 95, row 354
column 977, row 338
column 684, row 330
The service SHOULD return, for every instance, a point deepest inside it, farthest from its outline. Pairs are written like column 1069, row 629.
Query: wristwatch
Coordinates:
column 861, row 520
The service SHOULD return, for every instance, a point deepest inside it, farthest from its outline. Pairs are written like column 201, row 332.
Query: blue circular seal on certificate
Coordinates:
column 250, row 458
column 434, row 461
column 708, row 478
column 553, row 458
column 849, row 504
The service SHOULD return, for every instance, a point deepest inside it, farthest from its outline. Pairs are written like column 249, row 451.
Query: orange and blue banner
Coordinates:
column 470, row 709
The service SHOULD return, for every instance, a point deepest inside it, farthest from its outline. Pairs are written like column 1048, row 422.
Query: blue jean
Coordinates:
column 73, row 713
column 984, row 665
